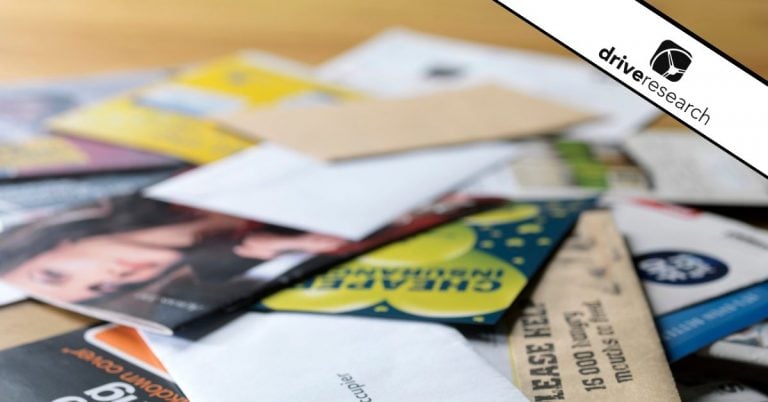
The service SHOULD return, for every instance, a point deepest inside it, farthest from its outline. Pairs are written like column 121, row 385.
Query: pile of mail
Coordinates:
column 418, row 219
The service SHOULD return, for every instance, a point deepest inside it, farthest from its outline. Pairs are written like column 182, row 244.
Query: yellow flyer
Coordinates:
column 466, row 272
column 176, row 118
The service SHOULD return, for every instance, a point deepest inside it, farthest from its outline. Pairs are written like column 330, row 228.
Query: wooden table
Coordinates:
column 67, row 37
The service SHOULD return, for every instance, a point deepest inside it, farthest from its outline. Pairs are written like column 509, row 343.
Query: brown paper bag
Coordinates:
column 587, row 333
column 372, row 127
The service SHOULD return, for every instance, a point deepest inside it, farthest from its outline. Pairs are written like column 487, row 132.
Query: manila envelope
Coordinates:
column 369, row 127
column 587, row 333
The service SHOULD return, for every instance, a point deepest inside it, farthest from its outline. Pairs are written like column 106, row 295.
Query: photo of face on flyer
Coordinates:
column 159, row 266
column 146, row 260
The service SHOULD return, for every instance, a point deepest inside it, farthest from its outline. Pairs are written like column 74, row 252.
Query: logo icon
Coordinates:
column 671, row 60
column 679, row 268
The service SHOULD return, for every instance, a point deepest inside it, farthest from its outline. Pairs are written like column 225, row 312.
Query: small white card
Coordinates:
column 276, row 357
column 349, row 199
column 686, row 256
column 9, row 294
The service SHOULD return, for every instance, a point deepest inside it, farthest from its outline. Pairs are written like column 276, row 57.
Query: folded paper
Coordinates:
column 350, row 199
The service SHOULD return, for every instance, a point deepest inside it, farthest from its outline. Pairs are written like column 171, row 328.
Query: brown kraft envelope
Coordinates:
column 587, row 333
column 370, row 127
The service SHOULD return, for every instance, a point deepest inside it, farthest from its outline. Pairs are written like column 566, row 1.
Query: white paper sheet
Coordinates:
column 278, row 357
column 10, row 295
column 686, row 256
column 401, row 62
column 350, row 199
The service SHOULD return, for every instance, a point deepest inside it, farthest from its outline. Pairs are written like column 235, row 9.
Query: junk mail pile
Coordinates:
column 417, row 219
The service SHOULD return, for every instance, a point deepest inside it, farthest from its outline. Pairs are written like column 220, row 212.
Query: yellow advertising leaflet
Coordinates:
column 176, row 117
column 466, row 272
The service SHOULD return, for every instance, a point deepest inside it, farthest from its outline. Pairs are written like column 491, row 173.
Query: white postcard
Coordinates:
column 276, row 357
column 685, row 256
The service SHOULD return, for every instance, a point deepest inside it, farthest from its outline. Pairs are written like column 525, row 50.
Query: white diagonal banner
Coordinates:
column 664, row 64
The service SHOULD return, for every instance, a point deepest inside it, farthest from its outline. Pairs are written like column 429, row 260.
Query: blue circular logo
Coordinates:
column 679, row 267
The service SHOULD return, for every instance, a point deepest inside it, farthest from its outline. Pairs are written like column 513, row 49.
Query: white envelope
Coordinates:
column 284, row 357
column 350, row 199
column 401, row 62
column 686, row 256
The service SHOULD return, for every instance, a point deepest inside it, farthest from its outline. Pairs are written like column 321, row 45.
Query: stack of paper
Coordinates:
column 417, row 219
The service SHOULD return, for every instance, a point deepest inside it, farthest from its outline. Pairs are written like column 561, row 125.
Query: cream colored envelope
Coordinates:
column 369, row 127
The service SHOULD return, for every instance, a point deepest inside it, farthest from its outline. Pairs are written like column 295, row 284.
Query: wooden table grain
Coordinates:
column 41, row 38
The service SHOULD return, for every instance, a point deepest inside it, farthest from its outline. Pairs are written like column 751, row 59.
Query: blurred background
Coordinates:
column 40, row 38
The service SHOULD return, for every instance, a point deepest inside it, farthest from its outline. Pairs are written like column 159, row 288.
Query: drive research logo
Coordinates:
column 671, row 60
column 679, row 268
